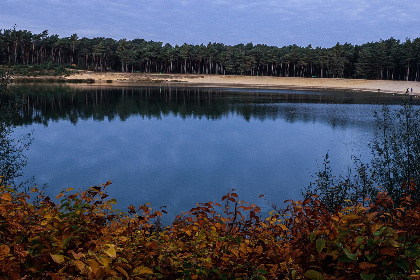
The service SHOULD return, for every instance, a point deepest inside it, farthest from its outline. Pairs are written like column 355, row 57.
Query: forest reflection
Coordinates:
column 45, row 103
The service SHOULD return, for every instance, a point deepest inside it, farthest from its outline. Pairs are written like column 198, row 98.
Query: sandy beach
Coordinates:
column 118, row 78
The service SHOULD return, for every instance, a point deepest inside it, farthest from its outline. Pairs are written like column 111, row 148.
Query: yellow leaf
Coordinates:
column 103, row 260
column 142, row 270
column 48, row 216
column 202, row 234
column 110, row 251
column 57, row 258
column 349, row 218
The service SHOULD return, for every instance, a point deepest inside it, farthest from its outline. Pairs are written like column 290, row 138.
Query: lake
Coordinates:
column 176, row 146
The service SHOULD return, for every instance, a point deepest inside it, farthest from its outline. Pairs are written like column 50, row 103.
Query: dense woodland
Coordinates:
column 388, row 59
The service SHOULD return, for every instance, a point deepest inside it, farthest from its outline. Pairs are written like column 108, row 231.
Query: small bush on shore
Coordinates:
column 395, row 161
column 39, row 70
column 81, row 236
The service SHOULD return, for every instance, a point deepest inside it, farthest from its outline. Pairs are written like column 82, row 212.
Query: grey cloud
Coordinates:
column 273, row 22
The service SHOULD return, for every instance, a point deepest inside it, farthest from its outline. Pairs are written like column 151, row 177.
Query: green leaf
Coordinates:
column 403, row 263
column 238, row 240
column 311, row 237
column 343, row 234
column 379, row 232
column 418, row 263
column 369, row 276
column 349, row 254
column 371, row 256
column 412, row 252
column 314, row 275
column 344, row 258
column 66, row 242
column 261, row 271
column 320, row 244
column 360, row 239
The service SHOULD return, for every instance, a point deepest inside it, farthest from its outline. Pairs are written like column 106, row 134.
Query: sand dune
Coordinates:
column 116, row 78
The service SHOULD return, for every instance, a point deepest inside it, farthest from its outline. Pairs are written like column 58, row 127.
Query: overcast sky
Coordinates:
column 272, row 22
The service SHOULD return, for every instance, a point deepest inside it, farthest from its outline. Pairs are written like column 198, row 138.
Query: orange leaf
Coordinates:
column 260, row 250
column 153, row 245
column 388, row 251
column 6, row 196
column 93, row 265
column 80, row 265
column 54, row 276
column 367, row 265
column 4, row 251
column 242, row 248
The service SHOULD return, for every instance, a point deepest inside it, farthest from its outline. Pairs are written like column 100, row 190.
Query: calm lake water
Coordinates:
column 179, row 146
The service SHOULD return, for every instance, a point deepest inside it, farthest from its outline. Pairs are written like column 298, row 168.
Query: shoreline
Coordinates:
column 230, row 81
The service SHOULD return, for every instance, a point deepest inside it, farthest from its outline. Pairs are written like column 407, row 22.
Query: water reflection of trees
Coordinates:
column 46, row 103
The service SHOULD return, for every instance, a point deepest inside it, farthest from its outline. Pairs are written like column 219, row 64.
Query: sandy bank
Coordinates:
column 108, row 78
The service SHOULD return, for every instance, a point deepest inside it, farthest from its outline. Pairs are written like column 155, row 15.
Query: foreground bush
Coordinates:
column 82, row 237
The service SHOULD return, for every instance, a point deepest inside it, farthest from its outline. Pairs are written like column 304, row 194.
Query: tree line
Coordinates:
column 389, row 59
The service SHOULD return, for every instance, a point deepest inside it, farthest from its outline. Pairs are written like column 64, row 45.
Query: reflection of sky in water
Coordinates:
column 177, row 162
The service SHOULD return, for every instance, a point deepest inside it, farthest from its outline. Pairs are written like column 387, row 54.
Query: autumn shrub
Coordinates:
column 80, row 236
